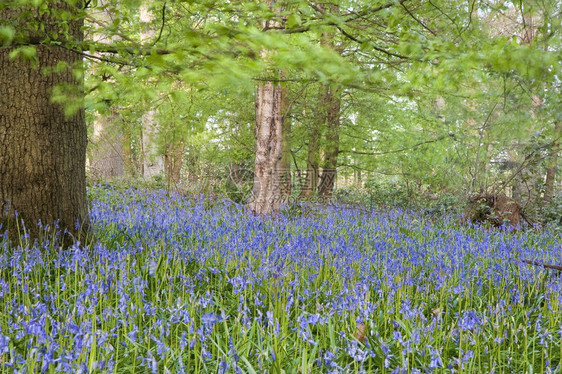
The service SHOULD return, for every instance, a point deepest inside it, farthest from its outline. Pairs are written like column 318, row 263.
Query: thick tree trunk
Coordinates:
column 42, row 151
column 328, row 177
column 266, row 195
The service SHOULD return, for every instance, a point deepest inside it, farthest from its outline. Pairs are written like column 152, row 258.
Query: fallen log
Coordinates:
column 546, row 266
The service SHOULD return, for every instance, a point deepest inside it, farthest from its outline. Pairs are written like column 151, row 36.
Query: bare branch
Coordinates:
column 347, row 35
column 417, row 20
column 396, row 150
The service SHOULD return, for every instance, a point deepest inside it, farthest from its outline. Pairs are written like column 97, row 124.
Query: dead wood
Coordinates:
column 360, row 333
column 495, row 209
column 546, row 266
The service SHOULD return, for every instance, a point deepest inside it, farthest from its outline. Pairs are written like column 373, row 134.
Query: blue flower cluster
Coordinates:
column 179, row 284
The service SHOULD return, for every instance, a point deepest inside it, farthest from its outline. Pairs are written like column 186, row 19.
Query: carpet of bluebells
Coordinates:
column 177, row 284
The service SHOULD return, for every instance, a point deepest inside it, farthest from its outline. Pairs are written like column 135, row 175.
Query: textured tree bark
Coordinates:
column 42, row 151
column 266, row 194
column 328, row 177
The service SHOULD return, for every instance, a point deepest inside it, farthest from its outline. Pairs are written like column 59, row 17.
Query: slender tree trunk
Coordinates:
column 357, row 179
column 107, row 151
column 153, row 162
column 328, row 177
column 314, row 133
column 106, row 156
column 42, row 151
column 173, row 160
column 130, row 164
column 285, row 164
column 553, row 160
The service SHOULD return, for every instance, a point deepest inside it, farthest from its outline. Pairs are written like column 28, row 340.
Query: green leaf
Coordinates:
column 27, row 53
column 7, row 34
column 293, row 21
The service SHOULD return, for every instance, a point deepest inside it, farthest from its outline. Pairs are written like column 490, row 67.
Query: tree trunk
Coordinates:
column 107, row 151
column 314, row 132
column 328, row 177
column 106, row 156
column 131, row 165
column 153, row 162
column 173, row 160
column 42, row 150
column 553, row 160
column 266, row 196
column 285, row 164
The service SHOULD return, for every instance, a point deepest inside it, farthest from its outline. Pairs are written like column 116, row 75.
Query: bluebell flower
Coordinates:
column 4, row 347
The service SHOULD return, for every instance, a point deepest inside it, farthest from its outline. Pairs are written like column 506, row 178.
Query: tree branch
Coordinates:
column 417, row 20
column 350, row 17
column 396, row 150
column 374, row 10
column 349, row 36
column 162, row 26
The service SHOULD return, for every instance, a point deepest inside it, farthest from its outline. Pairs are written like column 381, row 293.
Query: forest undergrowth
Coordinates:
column 177, row 284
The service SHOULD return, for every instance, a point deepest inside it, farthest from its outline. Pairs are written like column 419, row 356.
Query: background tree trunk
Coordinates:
column 153, row 162
column 106, row 156
column 553, row 160
column 285, row 164
column 42, row 151
column 131, row 166
column 173, row 159
column 314, row 132
column 328, row 177
column 107, row 152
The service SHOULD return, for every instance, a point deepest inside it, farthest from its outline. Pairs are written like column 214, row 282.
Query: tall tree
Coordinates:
column 42, row 143
column 266, row 194
column 552, row 163
column 285, row 163
column 314, row 133
column 328, row 177
column 153, row 162
column 106, row 156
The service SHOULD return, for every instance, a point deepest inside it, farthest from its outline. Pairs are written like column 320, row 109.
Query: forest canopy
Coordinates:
column 397, row 99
